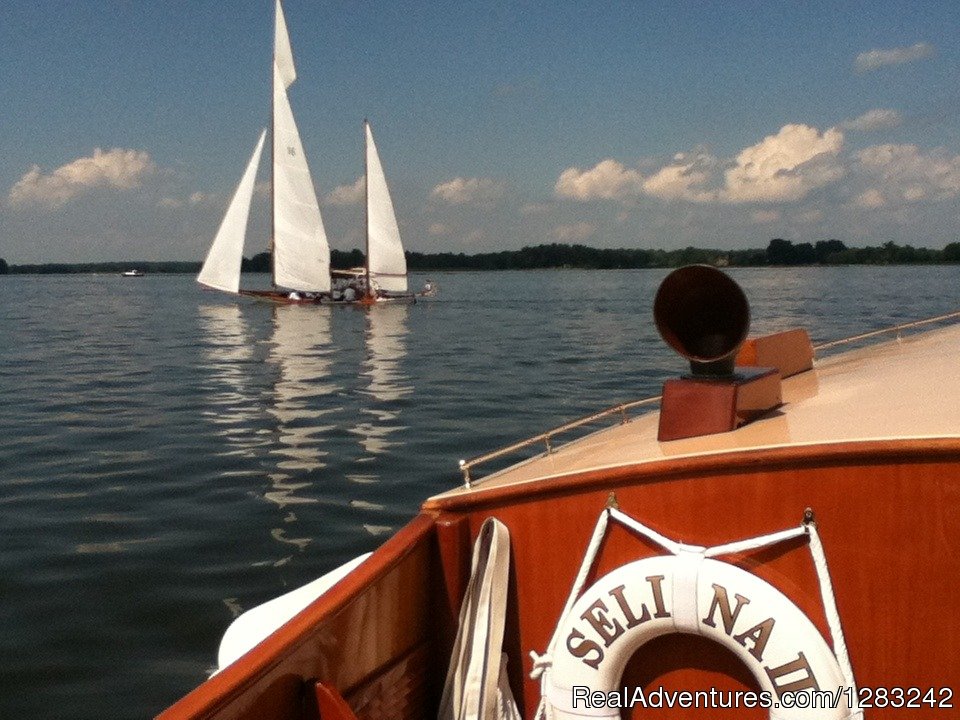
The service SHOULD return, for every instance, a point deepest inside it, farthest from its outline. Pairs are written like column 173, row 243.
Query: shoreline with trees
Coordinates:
column 779, row 252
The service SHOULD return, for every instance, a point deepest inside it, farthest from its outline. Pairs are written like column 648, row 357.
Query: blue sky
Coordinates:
column 125, row 126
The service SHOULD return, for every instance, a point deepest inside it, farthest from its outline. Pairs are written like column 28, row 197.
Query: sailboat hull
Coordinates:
column 278, row 297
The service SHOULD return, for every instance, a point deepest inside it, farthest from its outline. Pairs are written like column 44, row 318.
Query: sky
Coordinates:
column 126, row 125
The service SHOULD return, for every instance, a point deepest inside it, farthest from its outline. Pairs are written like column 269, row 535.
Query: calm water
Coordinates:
column 170, row 457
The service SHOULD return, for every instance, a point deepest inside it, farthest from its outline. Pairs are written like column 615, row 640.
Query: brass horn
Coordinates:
column 704, row 315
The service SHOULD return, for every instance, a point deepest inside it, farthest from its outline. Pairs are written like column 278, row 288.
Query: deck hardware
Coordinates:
column 466, row 465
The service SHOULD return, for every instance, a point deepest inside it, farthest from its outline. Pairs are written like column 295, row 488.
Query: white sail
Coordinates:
column 282, row 52
column 387, row 264
column 301, row 254
column 221, row 269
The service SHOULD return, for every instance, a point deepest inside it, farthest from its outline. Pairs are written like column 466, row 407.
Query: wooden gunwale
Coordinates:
column 274, row 660
column 851, row 453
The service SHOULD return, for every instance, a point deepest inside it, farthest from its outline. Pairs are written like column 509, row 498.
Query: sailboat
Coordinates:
column 383, row 278
column 300, row 253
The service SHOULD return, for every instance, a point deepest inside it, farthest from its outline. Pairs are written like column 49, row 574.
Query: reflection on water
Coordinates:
column 232, row 404
column 301, row 349
column 386, row 337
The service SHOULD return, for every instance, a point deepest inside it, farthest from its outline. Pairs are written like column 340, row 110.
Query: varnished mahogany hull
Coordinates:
column 888, row 514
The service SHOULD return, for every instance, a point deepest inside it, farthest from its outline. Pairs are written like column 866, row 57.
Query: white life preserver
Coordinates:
column 688, row 593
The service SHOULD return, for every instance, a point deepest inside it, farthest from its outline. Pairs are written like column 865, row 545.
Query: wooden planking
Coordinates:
column 365, row 623
column 406, row 690
column 889, row 517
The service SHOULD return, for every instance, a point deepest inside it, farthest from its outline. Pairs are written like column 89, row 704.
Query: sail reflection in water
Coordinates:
column 233, row 402
column 302, row 351
column 386, row 387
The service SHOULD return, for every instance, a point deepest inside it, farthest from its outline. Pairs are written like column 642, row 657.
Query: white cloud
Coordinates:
column 438, row 229
column 683, row 179
column 574, row 233
column 117, row 168
column 872, row 120
column 874, row 59
column 608, row 180
column 348, row 194
column 169, row 202
column 469, row 191
column 903, row 174
column 198, row 197
column 785, row 167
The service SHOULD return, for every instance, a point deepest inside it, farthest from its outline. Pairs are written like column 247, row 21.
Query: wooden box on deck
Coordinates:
column 691, row 406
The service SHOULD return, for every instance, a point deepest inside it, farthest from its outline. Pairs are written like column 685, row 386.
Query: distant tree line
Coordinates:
column 834, row 252
column 100, row 267
column 778, row 252
column 556, row 255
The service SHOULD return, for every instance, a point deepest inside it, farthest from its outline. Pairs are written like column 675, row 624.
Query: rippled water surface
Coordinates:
column 171, row 457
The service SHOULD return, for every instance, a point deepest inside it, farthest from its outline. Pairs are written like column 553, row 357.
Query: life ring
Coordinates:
column 688, row 593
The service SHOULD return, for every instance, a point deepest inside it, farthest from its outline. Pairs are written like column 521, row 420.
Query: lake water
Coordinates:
column 170, row 457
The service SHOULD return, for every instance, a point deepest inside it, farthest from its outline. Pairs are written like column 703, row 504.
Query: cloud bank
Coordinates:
column 900, row 175
column 117, row 168
column 784, row 167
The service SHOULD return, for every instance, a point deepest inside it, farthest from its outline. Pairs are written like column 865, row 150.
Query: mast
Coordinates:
column 273, row 142
column 366, row 205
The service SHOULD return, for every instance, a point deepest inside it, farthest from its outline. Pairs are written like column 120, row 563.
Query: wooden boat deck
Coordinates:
column 903, row 389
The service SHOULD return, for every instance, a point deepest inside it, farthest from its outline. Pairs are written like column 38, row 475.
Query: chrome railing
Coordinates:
column 547, row 437
column 886, row 331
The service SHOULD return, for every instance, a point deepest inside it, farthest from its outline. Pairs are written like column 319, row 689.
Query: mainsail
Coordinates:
column 221, row 269
column 301, row 254
column 385, row 258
